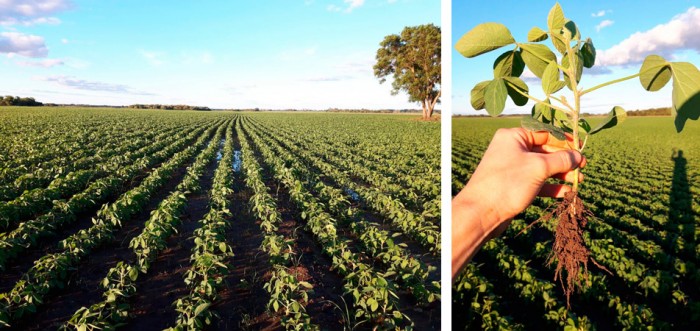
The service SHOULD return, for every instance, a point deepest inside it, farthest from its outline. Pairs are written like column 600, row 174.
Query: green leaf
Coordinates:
column 133, row 274
column 478, row 95
column 536, row 34
column 495, row 96
column 578, row 64
column 584, row 125
column 539, row 109
column 686, row 93
column 654, row 73
column 202, row 307
column 556, row 19
column 515, row 85
column 617, row 115
column 373, row 304
column 532, row 124
column 508, row 64
column 484, row 38
column 550, row 79
column 588, row 53
column 570, row 31
column 537, row 57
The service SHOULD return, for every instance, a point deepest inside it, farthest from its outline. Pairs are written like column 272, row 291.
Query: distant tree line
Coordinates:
column 666, row 111
column 17, row 101
column 168, row 107
column 381, row 111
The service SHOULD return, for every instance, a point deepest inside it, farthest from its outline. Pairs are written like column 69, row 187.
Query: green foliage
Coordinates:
column 575, row 55
column 646, row 210
column 484, row 38
column 413, row 58
column 399, row 176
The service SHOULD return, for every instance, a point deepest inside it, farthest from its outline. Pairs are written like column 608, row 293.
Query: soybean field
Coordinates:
column 185, row 220
column 642, row 183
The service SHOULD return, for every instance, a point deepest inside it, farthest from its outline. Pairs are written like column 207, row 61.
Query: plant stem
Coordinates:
column 561, row 101
column 571, row 72
column 609, row 83
column 549, row 104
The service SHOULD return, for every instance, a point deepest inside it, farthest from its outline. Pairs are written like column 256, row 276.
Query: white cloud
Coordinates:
column 153, row 58
column 601, row 13
column 603, row 24
column 530, row 77
column 682, row 32
column 64, row 41
column 30, row 12
column 28, row 22
column 45, row 63
column 81, row 84
column 350, row 5
column 22, row 44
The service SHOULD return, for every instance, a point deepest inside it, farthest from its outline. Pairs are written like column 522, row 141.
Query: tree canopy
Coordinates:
column 413, row 58
column 17, row 101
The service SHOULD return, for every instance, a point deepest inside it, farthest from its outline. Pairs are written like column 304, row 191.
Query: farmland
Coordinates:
column 139, row 219
column 642, row 183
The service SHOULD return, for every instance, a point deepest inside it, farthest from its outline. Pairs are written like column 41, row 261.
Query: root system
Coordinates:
column 569, row 250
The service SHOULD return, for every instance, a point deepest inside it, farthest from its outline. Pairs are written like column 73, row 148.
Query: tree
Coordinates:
column 413, row 58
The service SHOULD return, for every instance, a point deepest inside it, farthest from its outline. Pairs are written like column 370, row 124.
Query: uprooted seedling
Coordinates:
column 559, row 115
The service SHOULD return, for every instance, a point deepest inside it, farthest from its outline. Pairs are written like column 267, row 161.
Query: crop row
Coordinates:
column 51, row 271
column 120, row 282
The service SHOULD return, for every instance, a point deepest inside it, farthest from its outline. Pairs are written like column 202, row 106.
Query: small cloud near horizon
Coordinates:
column 86, row 85
column 45, row 63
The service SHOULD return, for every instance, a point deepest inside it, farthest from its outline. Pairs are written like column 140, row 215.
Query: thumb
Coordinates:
column 561, row 161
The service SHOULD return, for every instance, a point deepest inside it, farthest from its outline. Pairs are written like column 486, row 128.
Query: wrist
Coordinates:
column 478, row 210
column 471, row 228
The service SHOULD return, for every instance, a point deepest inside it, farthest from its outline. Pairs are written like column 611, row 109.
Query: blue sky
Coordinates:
column 623, row 32
column 274, row 54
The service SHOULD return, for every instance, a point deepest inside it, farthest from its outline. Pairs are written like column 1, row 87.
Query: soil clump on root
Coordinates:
column 569, row 249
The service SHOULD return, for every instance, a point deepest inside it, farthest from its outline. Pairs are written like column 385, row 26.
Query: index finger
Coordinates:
column 542, row 138
column 536, row 138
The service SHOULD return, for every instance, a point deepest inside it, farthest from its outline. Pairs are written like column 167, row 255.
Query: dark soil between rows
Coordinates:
column 83, row 287
column 152, row 305
column 242, row 301
column 48, row 245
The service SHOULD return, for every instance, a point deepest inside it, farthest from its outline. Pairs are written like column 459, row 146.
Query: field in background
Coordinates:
column 642, row 182
column 115, row 217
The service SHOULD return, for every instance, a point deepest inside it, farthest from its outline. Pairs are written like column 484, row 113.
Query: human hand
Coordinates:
column 512, row 172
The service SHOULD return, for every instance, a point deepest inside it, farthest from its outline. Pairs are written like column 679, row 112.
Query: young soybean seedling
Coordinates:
column 559, row 115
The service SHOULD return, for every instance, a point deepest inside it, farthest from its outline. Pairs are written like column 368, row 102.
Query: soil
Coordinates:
column 569, row 249
column 243, row 301
column 152, row 304
column 325, row 304
column 83, row 287
column 49, row 244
